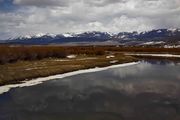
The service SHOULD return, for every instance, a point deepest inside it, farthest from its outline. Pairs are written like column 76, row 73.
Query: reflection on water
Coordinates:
column 147, row 91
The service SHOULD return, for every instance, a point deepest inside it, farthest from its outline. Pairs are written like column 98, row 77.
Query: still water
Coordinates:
column 146, row 91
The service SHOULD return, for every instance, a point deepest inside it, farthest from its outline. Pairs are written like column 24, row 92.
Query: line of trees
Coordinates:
column 10, row 54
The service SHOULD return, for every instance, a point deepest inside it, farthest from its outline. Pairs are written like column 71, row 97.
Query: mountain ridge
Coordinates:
column 155, row 36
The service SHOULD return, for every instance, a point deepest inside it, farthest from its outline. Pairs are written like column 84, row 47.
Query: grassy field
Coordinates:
column 25, row 70
column 18, row 63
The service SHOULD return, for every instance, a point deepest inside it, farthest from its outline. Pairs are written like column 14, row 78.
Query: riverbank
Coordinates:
column 36, row 81
column 17, row 72
column 24, row 63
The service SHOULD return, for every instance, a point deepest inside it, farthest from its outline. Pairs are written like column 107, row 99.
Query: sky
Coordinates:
column 31, row 17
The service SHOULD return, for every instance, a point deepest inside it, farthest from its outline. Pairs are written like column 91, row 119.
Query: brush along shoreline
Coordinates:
column 37, row 81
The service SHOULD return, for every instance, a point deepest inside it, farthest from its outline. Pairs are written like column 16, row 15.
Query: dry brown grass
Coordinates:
column 21, row 70
column 18, row 63
column 9, row 54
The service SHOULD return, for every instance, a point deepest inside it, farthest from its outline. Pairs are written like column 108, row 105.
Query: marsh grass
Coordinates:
column 18, row 63
column 26, row 70
column 9, row 54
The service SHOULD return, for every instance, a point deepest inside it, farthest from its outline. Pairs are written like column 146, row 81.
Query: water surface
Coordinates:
column 146, row 91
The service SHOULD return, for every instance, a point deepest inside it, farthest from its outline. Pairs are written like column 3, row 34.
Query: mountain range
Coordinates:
column 157, row 37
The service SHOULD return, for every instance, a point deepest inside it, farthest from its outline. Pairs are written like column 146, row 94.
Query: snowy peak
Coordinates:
column 173, row 30
column 95, row 34
column 68, row 35
column 158, row 33
column 153, row 37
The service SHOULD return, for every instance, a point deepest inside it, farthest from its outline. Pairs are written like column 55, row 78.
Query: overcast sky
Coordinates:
column 29, row 17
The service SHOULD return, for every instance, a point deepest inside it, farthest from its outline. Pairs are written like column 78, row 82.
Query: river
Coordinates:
column 149, row 90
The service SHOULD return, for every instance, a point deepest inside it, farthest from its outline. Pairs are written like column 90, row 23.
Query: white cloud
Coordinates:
column 42, row 2
column 102, row 2
column 124, row 23
column 59, row 16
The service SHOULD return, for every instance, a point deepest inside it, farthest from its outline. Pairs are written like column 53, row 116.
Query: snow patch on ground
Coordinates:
column 110, row 56
column 37, row 81
column 157, row 55
column 153, row 43
column 71, row 56
column 114, row 61
column 172, row 46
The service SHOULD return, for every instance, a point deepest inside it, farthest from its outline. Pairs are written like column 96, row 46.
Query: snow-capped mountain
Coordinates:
column 153, row 37
column 150, row 35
